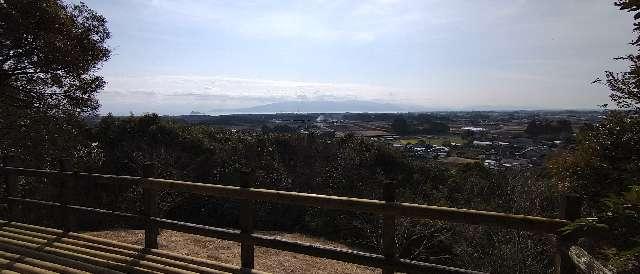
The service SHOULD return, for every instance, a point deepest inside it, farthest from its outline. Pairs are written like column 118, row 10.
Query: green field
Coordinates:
column 434, row 140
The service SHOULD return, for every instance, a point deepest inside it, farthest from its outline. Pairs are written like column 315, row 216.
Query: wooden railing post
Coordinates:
column 247, row 215
column 389, row 229
column 570, row 209
column 150, row 208
column 66, row 190
column 12, row 189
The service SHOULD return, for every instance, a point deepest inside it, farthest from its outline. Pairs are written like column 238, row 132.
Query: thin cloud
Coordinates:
column 186, row 93
column 358, row 21
column 427, row 52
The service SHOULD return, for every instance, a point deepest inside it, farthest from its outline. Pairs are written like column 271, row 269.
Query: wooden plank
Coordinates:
column 52, row 174
column 39, row 263
column 142, row 255
column 150, row 204
column 15, row 246
column 570, row 209
column 22, row 268
column 585, row 262
column 213, row 232
column 135, row 219
column 118, row 262
column 247, row 216
column 107, row 243
column 65, row 261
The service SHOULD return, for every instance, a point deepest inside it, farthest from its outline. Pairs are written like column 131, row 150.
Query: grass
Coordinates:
column 409, row 141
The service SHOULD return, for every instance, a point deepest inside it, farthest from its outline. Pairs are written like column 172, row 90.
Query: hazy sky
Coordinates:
column 176, row 56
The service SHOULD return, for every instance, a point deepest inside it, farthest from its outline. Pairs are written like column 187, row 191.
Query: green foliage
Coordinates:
column 400, row 126
column 553, row 128
column 420, row 124
column 605, row 167
column 49, row 53
column 583, row 227
column 606, row 158
column 625, row 86
column 615, row 230
column 283, row 129
column 347, row 166
column 622, row 214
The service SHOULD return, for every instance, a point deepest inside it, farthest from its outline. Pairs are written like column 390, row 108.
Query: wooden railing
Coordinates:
column 390, row 209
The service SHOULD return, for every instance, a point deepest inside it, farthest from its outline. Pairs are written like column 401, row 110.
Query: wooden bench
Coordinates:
column 33, row 249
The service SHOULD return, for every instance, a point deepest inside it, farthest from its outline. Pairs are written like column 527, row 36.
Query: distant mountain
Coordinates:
column 323, row 107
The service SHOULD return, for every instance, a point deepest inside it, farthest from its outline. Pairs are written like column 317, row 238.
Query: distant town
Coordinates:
column 496, row 139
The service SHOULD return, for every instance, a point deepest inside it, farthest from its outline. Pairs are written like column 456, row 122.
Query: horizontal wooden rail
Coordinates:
column 343, row 255
column 138, row 219
column 466, row 216
column 389, row 209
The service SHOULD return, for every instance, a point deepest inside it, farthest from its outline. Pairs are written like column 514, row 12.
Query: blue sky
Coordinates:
column 172, row 57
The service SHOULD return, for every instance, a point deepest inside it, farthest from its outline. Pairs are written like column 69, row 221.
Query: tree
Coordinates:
column 625, row 86
column 549, row 128
column 605, row 166
column 49, row 54
column 400, row 126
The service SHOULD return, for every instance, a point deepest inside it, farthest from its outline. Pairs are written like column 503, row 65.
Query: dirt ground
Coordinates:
column 267, row 259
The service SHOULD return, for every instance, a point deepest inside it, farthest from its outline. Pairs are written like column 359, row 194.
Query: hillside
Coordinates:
column 267, row 259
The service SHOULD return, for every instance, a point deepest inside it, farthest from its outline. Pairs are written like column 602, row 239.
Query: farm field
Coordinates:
column 433, row 140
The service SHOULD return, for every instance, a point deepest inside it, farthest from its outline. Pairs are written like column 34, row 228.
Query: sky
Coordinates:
column 177, row 56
